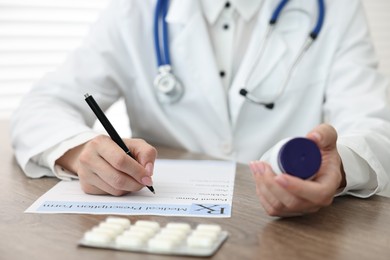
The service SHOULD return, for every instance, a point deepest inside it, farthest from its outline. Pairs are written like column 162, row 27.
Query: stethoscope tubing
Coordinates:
column 278, row 10
column 164, row 62
column 163, row 58
column 321, row 18
column 166, row 34
column 305, row 47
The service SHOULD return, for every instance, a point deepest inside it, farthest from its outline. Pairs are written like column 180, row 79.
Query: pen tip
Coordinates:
column 151, row 189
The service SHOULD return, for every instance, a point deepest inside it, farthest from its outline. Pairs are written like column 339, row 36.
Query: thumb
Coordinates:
column 324, row 135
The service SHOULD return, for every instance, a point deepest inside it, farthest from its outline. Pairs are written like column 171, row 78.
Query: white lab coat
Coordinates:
column 336, row 83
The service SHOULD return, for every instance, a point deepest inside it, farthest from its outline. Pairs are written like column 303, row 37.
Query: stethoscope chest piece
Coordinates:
column 168, row 88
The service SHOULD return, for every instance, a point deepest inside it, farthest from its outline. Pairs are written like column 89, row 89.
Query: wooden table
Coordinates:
column 351, row 228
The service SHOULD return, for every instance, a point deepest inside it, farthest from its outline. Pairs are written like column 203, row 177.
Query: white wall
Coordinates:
column 378, row 14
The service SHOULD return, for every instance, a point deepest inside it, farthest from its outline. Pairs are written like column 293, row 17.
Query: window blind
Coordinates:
column 35, row 37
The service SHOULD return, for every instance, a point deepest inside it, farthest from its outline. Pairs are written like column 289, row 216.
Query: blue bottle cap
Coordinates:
column 300, row 157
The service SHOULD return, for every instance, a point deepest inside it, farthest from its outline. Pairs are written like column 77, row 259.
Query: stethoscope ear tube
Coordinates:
column 305, row 47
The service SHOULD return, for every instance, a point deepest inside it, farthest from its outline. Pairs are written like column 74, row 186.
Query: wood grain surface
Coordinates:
column 350, row 228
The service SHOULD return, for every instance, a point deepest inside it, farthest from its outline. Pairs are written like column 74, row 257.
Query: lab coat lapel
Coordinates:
column 193, row 55
column 274, row 54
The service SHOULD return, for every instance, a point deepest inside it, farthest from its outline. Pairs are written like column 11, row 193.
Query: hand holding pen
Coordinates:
column 113, row 134
column 103, row 167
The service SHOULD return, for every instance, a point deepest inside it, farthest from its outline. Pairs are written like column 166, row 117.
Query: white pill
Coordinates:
column 209, row 227
column 147, row 230
column 129, row 242
column 204, row 233
column 199, row 242
column 168, row 237
column 179, row 226
column 160, row 245
column 107, row 231
column 118, row 228
column 150, row 224
column 137, row 234
column 180, row 234
column 124, row 222
column 97, row 238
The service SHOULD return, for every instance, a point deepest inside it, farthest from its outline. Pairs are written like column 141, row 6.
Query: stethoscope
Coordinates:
column 170, row 90
column 168, row 87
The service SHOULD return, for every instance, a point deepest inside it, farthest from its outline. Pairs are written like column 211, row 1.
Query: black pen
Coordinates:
column 109, row 128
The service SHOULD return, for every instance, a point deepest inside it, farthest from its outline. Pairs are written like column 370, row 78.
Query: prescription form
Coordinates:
column 193, row 188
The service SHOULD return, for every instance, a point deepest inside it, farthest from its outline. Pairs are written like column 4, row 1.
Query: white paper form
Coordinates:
column 183, row 188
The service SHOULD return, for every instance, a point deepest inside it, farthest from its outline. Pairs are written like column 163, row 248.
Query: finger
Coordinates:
column 257, row 172
column 267, row 207
column 320, row 194
column 92, row 184
column 116, row 179
column 291, row 204
column 264, row 203
column 257, row 168
column 324, row 135
column 282, row 201
column 144, row 153
column 303, row 212
column 118, row 159
column 96, row 161
column 264, row 177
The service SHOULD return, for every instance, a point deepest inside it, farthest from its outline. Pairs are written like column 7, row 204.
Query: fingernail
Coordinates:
column 316, row 136
column 147, row 181
column 149, row 169
column 252, row 166
column 281, row 180
column 259, row 168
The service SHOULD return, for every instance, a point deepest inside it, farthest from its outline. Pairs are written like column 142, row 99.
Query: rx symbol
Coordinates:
column 211, row 209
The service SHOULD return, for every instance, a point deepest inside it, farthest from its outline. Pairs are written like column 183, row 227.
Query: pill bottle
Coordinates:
column 298, row 156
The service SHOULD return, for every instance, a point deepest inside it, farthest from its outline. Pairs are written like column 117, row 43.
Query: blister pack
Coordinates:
column 174, row 238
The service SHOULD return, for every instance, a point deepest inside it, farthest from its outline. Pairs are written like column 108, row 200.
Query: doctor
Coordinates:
column 334, row 96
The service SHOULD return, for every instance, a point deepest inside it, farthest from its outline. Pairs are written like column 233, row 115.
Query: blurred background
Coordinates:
column 37, row 35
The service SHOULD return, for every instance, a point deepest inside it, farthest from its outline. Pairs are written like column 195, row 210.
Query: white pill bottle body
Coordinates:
column 296, row 156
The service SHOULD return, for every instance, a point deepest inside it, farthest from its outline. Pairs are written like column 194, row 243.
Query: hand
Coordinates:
column 285, row 195
column 104, row 168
